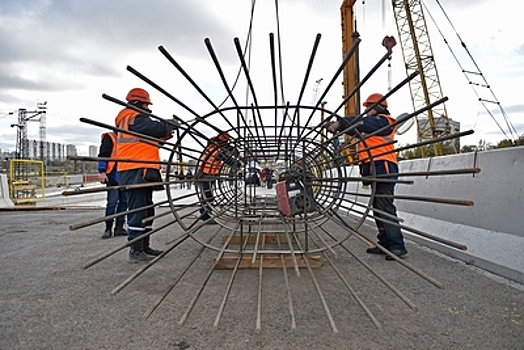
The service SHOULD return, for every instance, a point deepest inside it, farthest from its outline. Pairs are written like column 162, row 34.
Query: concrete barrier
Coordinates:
column 491, row 229
column 5, row 201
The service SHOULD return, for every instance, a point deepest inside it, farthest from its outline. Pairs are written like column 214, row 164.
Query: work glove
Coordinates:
column 332, row 127
column 167, row 137
column 102, row 177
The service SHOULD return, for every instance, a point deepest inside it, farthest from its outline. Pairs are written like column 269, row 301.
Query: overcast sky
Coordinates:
column 70, row 52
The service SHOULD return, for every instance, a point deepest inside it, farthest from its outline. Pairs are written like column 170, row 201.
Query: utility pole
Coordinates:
column 22, row 143
column 43, row 146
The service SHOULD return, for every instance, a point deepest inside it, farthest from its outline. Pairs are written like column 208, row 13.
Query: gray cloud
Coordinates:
column 76, row 134
column 89, row 37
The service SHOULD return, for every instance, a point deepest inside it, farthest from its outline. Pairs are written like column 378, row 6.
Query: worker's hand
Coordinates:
column 167, row 137
column 102, row 177
column 332, row 127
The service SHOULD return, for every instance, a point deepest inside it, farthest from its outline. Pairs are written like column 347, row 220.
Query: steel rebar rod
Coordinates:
column 291, row 250
column 144, row 268
column 150, row 140
column 228, row 287
column 352, row 292
column 123, row 246
column 432, row 173
column 227, row 291
column 288, row 288
column 218, row 67
column 197, row 295
column 319, row 292
column 157, row 303
column 258, row 323
column 104, row 218
column 362, row 236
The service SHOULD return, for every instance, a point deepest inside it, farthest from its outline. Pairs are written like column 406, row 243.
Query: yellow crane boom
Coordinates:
column 418, row 56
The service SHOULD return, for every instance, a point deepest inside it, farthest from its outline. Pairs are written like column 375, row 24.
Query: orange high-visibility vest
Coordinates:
column 111, row 164
column 130, row 147
column 379, row 145
column 208, row 162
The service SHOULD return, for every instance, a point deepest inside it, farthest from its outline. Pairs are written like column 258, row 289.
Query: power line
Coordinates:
column 477, row 73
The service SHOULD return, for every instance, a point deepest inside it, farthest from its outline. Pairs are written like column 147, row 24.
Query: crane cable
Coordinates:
column 511, row 127
column 247, row 52
column 280, row 71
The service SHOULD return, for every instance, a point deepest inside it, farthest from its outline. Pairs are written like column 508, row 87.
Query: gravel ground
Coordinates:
column 48, row 302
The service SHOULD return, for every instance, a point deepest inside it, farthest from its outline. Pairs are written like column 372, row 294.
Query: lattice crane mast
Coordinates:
column 24, row 116
column 418, row 56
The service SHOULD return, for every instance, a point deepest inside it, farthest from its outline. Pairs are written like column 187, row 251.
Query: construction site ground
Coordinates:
column 48, row 302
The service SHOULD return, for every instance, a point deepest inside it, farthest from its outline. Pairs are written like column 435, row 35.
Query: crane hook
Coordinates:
column 388, row 42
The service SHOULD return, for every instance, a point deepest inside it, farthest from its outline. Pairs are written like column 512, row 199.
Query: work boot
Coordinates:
column 374, row 250
column 148, row 250
column 108, row 232
column 119, row 229
column 211, row 222
column 137, row 255
column 397, row 253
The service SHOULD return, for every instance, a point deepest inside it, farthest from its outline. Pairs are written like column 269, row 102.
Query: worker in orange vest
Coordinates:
column 384, row 160
column 217, row 153
column 131, row 147
column 107, row 174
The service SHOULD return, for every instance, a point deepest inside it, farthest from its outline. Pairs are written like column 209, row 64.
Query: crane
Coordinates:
column 314, row 99
column 418, row 56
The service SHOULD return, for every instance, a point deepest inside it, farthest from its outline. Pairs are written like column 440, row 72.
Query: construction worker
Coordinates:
column 381, row 148
column 189, row 178
column 217, row 152
column 107, row 174
column 130, row 147
column 268, row 177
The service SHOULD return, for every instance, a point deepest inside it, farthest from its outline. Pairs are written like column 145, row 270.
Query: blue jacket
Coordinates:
column 106, row 149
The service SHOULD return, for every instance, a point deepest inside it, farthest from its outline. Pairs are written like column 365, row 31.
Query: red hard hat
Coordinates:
column 224, row 136
column 138, row 94
column 374, row 98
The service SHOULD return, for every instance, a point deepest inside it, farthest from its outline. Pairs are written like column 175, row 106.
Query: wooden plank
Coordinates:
column 270, row 238
column 272, row 261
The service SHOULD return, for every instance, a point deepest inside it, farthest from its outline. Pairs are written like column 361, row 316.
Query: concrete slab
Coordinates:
column 48, row 302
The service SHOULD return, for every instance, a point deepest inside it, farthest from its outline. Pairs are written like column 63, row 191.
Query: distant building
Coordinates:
column 71, row 150
column 441, row 126
column 93, row 151
column 45, row 151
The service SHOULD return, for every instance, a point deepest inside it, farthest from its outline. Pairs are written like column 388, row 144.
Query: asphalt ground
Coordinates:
column 48, row 301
